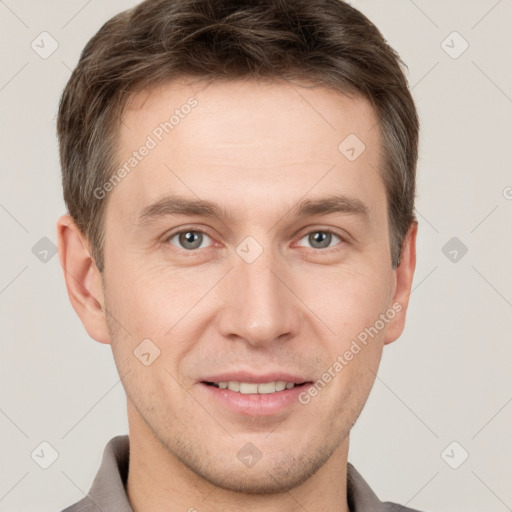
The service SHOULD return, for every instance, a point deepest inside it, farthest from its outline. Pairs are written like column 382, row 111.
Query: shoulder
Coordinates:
column 84, row 505
column 395, row 507
column 361, row 497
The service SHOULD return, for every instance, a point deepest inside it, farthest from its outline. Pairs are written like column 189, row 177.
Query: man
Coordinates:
column 240, row 180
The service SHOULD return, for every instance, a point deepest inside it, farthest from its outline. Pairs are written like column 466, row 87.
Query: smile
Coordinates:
column 250, row 388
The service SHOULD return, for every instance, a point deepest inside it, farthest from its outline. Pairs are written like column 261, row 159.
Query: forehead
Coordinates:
column 240, row 141
column 234, row 106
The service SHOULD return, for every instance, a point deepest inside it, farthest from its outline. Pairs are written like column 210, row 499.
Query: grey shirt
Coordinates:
column 108, row 493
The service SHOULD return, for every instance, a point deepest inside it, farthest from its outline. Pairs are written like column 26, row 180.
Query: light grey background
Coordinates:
column 447, row 379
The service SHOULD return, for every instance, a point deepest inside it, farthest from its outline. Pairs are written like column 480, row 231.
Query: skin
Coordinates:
column 256, row 149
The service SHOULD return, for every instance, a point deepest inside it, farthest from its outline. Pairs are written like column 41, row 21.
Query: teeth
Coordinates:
column 250, row 388
column 234, row 386
column 280, row 385
column 247, row 388
column 267, row 387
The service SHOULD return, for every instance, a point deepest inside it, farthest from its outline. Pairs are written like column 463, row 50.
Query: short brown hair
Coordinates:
column 326, row 42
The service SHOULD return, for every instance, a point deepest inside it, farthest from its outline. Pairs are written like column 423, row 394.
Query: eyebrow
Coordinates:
column 174, row 205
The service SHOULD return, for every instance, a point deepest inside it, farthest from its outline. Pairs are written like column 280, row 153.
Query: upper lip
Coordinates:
column 255, row 378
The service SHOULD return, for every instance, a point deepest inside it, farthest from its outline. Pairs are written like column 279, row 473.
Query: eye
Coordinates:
column 192, row 239
column 321, row 239
column 189, row 239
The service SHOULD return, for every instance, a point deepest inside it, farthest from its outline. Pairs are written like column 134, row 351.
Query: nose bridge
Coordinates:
column 259, row 308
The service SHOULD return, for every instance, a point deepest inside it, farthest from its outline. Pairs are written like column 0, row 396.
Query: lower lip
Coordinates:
column 255, row 404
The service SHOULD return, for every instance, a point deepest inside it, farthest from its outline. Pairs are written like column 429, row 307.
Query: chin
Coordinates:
column 275, row 472
column 266, row 479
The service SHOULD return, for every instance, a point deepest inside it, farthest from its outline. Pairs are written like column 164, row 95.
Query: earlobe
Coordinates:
column 404, row 274
column 83, row 280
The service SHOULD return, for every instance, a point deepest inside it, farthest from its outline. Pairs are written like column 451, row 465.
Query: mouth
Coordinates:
column 255, row 388
column 245, row 393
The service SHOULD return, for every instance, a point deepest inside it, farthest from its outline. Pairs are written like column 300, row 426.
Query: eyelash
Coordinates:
column 195, row 251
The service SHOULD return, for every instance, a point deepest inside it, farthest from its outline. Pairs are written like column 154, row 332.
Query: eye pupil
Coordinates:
column 190, row 239
column 321, row 237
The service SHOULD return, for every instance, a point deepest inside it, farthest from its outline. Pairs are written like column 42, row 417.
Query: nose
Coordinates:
column 260, row 306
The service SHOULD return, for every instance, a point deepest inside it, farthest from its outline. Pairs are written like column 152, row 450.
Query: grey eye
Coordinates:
column 189, row 239
column 320, row 239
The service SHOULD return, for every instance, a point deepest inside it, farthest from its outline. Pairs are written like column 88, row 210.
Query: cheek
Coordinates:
column 161, row 302
column 351, row 305
column 347, row 300
column 153, row 300
column 165, row 306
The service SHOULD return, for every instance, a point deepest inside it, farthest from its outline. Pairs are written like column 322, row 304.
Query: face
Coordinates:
column 274, row 280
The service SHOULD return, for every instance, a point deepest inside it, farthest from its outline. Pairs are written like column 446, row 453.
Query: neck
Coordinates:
column 160, row 482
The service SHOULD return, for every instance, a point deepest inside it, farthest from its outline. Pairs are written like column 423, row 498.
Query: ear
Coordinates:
column 404, row 274
column 83, row 279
